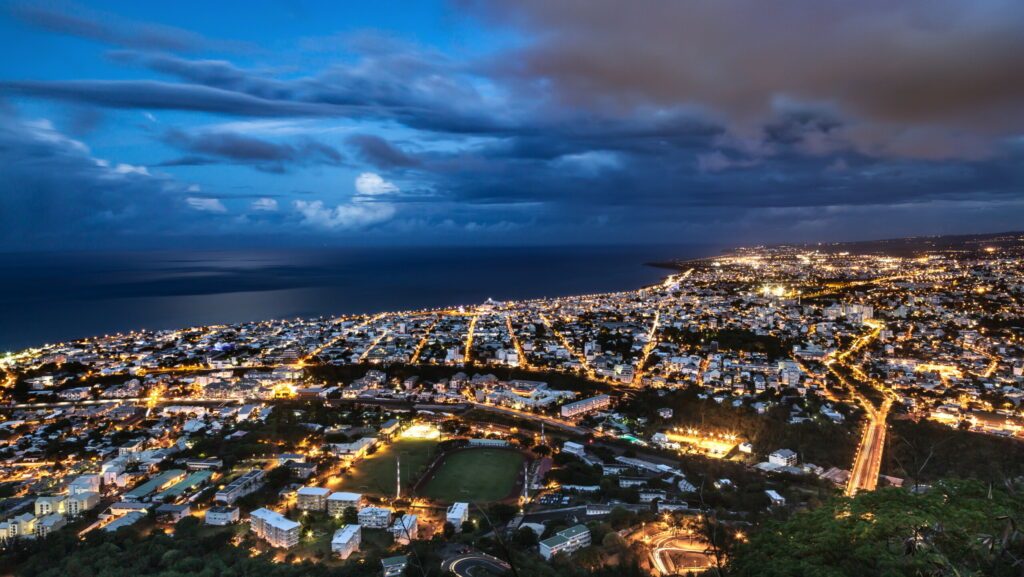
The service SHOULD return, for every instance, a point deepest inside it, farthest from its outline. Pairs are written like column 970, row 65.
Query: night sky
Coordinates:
column 128, row 125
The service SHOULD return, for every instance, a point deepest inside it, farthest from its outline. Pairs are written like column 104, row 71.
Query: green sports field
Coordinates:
column 375, row 475
column 476, row 475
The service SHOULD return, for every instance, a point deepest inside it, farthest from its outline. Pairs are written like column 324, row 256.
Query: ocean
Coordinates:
column 57, row 297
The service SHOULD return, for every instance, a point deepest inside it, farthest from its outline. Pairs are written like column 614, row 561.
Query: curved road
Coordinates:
column 474, row 565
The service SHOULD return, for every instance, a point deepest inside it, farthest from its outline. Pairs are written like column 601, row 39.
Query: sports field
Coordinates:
column 476, row 475
column 375, row 475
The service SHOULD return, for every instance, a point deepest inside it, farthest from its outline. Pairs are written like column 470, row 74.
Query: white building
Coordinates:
column 573, row 448
column 274, row 528
column 312, row 498
column 375, row 517
column 566, row 541
column 248, row 483
column 346, row 540
column 571, row 410
column 457, row 514
column 776, row 499
column 50, row 504
column 338, row 502
column 221, row 516
column 405, row 529
column 783, row 458
column 79, row 503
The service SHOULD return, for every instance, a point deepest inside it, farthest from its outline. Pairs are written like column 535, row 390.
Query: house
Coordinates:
column 274, row 528
column 220, row 516
column 338, row 502
column 375, row 517
column 312, row 498
column 567, row 541
column 346, row 541
column 457, row 514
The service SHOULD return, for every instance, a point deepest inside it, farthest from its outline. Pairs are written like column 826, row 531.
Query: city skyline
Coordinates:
column 308, row 124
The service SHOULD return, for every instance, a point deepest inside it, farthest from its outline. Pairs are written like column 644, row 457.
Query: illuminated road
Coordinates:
column 523, row 361
column 468, row 355
column 868, row 463
column 652, row 342
column 676, row 554
column 475, row 565
column 550, row 421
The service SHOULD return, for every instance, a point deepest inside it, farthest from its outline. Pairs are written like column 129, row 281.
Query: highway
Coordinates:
column 868, row 463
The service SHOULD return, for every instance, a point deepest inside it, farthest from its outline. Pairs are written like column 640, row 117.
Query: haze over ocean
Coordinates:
column 56, row 297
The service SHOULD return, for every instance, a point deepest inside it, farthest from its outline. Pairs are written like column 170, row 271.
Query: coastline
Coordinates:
column 67, row 298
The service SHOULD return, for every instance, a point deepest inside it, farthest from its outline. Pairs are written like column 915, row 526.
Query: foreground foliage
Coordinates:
column 961, row 528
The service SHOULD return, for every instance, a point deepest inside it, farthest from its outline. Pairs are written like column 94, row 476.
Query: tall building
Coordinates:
column 312, row 498
column 346, row 541
column 274, row 528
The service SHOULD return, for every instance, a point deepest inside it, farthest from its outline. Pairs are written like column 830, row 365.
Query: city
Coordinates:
column 660, row 427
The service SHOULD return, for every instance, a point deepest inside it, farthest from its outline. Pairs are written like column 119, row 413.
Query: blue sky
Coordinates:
column 142, row 124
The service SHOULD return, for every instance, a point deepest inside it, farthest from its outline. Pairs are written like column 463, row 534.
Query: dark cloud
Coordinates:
column 263, row 154
column 381, row 153
column 74, row 20
column 57, row 194
column 923, row 62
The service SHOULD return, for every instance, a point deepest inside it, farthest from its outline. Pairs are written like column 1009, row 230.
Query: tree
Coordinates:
column 449, row 529
column 525, row 538
column 350, row 515
column 955, row 528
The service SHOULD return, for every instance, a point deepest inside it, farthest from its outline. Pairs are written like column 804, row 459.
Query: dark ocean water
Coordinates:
column 56, row 297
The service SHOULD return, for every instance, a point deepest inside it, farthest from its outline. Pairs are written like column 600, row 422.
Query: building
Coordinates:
column 79, row 503
column 145, row 490
column 248, row 483
column 312, row 498
column 394, row 566
column 274, row 528
column 338, row 502
column 567, row 541
column 173, row 513
column 573, row 410
column 776, row 499
column 49, row 523
column 212, row 463
column 221, row 516
column 125, row 521
column 405, row 529
column 50, row 504
column 346, row 541
column 573, row 448
column 783, row 458
column 375, row 517
column 457, row 514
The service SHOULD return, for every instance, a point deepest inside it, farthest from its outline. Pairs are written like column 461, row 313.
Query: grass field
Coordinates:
column 375, row 475
column 476, row 475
